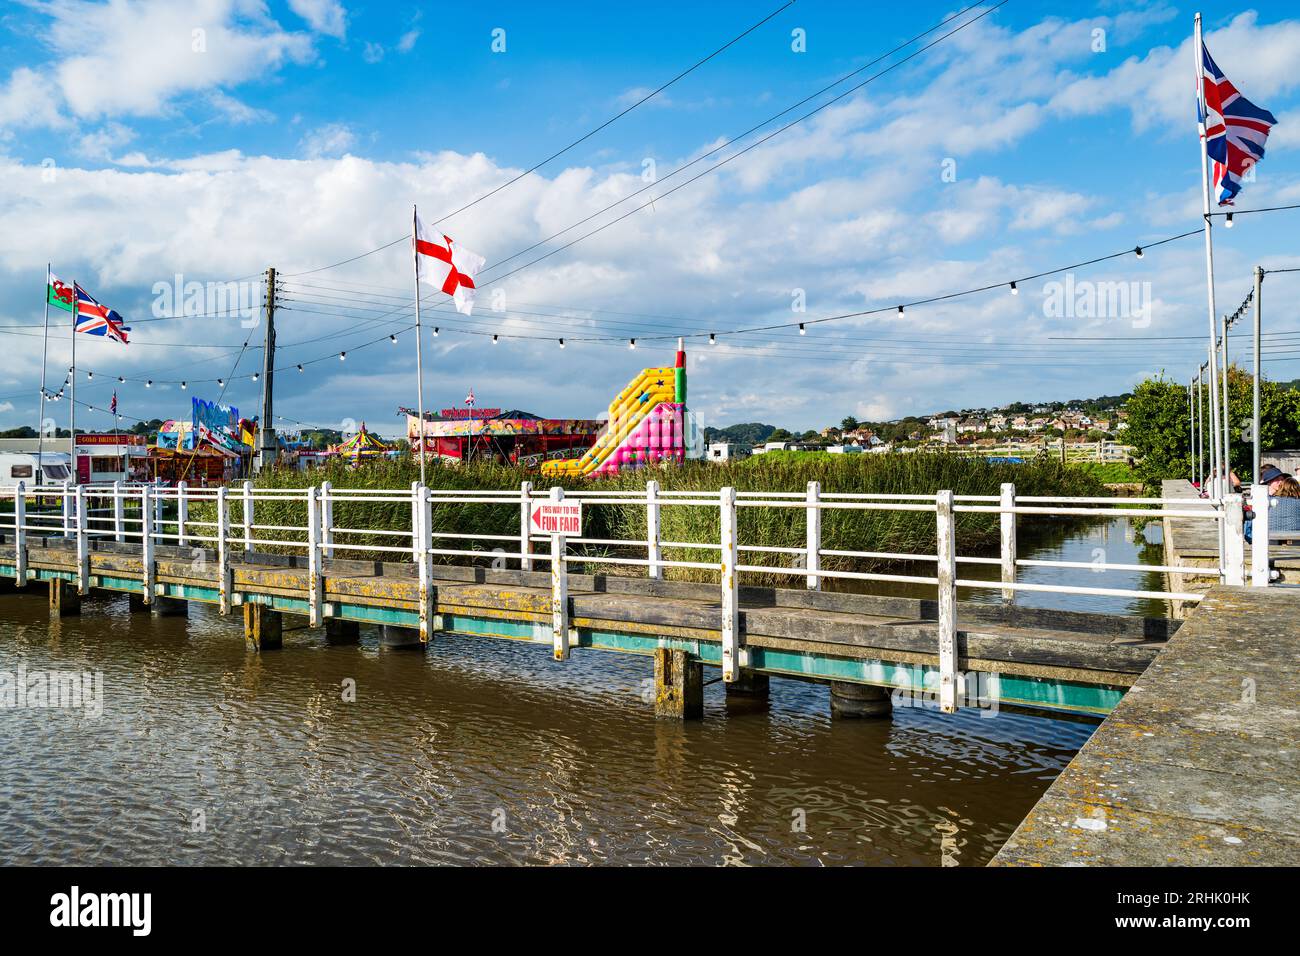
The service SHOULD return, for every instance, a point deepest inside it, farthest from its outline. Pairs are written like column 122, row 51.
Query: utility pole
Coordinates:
column 267, row 448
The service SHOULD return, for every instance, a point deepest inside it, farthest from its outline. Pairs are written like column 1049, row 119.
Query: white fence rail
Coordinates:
column 154, row 515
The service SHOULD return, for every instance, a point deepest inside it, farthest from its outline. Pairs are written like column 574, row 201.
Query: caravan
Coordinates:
column 52, row 467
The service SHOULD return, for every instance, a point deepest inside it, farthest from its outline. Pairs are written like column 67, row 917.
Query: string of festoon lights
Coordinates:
column 1011, row 285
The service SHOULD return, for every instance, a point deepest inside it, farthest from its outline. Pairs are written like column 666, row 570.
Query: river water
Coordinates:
column 479, row 750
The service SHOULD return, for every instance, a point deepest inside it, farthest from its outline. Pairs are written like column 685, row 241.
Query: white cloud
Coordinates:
column 407, row 43
column 1158, row 88
column 333, row 139
column 373, row 52
column 236, row 111
column 28, row 99
column 325, row 16
column 134, row 57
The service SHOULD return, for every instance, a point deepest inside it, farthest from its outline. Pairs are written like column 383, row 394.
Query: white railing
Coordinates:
column 152, row 515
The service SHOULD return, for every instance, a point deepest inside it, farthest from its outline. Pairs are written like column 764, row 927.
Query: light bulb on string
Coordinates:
column 343, row 356
column 393, row 339
column 221, row 383
column 900, row 310
column 148, row 383
column 300, row 368
column 1227, row 222
column 184, row 386
column 494, row 340
column 802, row 330
column 631, row 343
column 561, row 343
column 1014, row 290
column 435, row 331
column 256, row 376
column 713, row 340
column 1138, row 252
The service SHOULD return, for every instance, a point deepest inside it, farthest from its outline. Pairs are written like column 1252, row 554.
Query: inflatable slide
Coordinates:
column 646, row 425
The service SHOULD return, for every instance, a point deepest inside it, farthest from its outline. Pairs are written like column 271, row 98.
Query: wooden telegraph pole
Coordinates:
column 267, row 447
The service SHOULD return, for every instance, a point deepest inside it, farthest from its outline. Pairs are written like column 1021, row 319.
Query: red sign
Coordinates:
column 557, row 517
column 469, row 412
column 123, row 439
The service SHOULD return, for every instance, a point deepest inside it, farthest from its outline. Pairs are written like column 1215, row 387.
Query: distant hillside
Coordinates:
column 750, row 433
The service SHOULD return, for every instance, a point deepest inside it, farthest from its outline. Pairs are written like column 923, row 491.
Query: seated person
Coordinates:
column 1283, row 500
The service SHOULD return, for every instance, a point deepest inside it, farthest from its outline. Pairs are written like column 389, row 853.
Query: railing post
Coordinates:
column 83, row 549
column 313, row 559
column 559, row 590
column 525, row 526
column 1259, row 504
column 947, row 576
column 20, row 534
column 1234, row 571
column 119, row 525
column 158, row 501
column 1008, row 552
column 415, row 521
column 223, row 551
column 424, row 530
column 326, row 520
column 813, row 558
column 146, row 542
column 654, row 552
column 248, row 516
column 730, row 587
column 67, row 509
column 182, row 512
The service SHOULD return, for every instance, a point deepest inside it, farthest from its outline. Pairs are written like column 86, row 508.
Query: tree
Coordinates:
column 1160, row 427
column 849, row 424
column 780, row 435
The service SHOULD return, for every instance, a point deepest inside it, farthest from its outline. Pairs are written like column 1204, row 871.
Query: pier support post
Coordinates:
column 399, row 638
column 679, row 685
column 170, row 607
column 859, row 700
column 341, row 631
column 263, row 627
column 64, row 599
column 750, row 685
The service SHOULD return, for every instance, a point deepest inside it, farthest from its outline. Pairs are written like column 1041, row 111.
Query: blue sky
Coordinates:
column 141, row 140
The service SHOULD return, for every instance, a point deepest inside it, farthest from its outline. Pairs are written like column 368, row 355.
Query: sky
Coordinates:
column 155, row 149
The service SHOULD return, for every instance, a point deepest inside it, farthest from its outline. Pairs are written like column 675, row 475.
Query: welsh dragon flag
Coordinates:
column 58, row 293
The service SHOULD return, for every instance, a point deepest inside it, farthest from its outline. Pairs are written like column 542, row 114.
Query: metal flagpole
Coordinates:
column 419, row 337
column 1197, row 48
column 1191, row 432
column 40, row 421
column 1227, row 414
column 1256, row 437
column 73, row 403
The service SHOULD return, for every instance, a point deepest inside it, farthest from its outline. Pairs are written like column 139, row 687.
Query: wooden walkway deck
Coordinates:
column 1199, row 764
column 1072, row 661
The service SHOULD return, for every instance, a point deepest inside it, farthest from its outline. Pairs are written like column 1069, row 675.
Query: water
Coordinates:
column 479, row 750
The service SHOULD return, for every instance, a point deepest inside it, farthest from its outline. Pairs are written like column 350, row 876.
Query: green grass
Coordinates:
column 1111, row 472
column 861, row 530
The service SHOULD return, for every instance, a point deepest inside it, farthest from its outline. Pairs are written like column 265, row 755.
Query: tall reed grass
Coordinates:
column 842, row 530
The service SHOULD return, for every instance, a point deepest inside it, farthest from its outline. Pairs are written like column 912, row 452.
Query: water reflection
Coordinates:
column 487, row 751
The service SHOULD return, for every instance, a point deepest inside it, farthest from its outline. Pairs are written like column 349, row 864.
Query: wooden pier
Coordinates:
column 1199, row 763
column 1065, row 661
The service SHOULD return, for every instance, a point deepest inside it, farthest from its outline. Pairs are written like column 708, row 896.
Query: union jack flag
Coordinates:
column 96, row 319
column 112, row 408
column 1235, row 130
column 469, row 399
